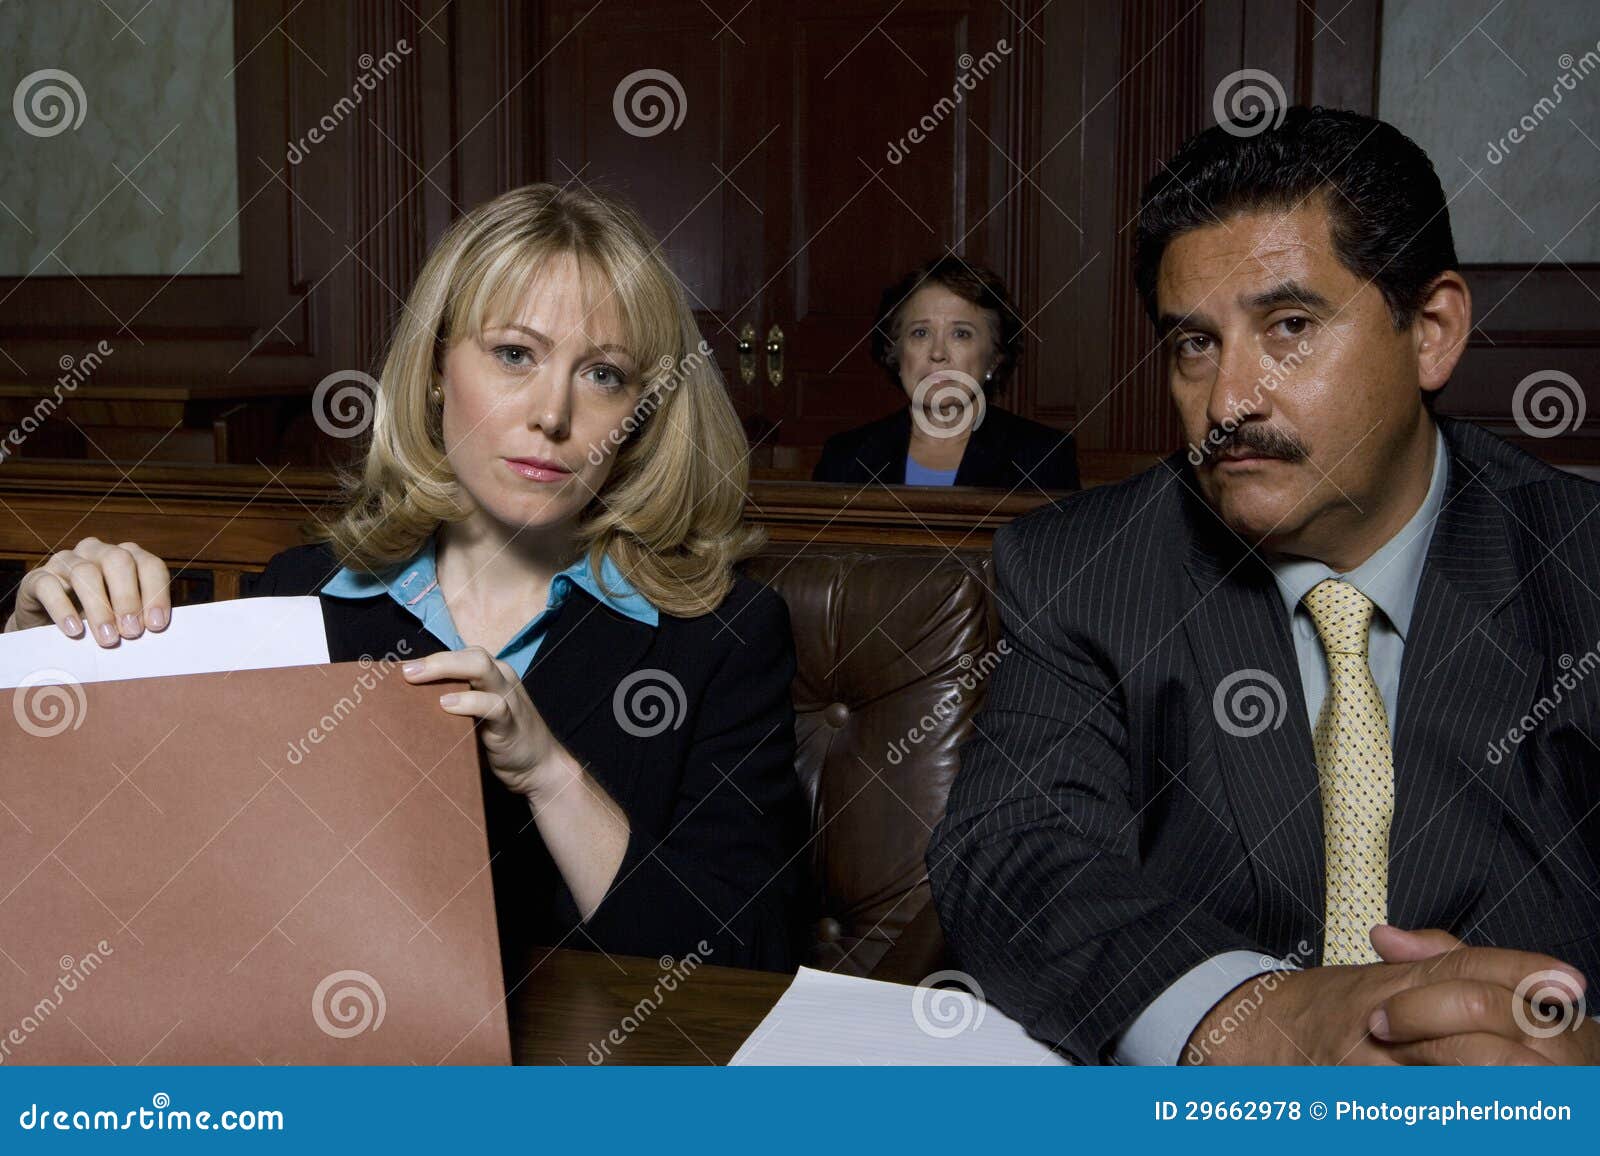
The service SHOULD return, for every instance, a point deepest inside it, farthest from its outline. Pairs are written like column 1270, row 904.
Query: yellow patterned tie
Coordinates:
column 1355, row 765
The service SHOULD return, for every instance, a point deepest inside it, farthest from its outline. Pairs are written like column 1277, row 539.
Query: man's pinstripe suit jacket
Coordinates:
column 1113, row 824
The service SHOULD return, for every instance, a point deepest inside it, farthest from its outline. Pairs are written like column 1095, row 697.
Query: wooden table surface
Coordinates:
column 582, row 1007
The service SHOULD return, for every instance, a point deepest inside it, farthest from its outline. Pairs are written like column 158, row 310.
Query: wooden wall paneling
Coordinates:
column 867, row 201
column 1079, row 230
column 212, row 524
column 1162, row 102
column 700, row 186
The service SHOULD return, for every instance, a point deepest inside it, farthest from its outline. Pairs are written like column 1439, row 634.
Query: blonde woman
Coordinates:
column 551, row 509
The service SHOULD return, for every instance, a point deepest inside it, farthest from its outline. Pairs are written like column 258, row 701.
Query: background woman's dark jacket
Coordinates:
column 998, row 453
column 716, row 810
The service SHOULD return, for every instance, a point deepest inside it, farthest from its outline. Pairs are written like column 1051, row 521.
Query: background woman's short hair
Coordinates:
column 975, row 283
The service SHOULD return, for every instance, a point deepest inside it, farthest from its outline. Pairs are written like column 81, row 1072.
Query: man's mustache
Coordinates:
column 1265, row 440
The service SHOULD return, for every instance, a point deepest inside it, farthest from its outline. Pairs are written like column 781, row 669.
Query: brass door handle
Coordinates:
column 775, row 355
column 747, row 353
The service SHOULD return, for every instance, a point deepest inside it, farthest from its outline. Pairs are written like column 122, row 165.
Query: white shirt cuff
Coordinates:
column 1159, row 1033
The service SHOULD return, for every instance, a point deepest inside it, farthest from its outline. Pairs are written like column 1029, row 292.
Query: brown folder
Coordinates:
column 264, row 866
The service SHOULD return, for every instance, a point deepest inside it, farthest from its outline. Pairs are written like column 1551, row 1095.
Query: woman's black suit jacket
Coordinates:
column 716, row 810
column 1005, row 450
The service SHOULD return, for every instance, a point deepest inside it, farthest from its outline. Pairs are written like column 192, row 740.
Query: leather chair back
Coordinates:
column 894, row 650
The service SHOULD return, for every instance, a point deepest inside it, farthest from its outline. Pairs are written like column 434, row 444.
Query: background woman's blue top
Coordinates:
column 415, row 585
column 919, row 475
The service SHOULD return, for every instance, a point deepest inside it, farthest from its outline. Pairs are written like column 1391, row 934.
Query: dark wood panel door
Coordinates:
column 663, row 104
column 895, row 147
column 794, row 160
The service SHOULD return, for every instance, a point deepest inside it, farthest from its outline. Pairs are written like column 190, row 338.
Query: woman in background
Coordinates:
column 949, row 337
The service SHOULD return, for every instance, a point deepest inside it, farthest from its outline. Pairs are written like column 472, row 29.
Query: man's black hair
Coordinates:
column 1386, row 210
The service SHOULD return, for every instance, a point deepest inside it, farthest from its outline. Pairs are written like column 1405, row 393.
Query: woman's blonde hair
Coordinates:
column 671, row 513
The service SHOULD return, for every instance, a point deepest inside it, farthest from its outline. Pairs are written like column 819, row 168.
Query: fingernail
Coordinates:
column 410, row 668
column 157, row 618
column 1379, row 1024
column 130, row 625
column 448, row 699
column 73, row 625
column 106, row 633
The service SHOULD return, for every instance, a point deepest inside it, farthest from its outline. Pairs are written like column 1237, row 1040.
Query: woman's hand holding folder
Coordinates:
column 120, row 590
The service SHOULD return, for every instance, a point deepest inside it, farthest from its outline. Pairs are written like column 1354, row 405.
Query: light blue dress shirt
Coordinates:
column 415, row 585
column 920, row 475
column 1390, row 578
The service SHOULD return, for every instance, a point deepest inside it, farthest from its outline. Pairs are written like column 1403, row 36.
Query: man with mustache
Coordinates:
column 1295, row 757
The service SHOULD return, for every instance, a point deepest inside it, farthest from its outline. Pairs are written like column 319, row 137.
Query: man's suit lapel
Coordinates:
column 1238, row 632
column 1465, row 679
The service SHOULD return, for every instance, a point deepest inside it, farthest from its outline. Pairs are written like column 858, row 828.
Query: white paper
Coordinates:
column 237, row 634
column 831, row 1019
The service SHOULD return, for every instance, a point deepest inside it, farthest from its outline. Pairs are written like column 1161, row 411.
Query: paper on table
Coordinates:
column 829, row 1019
column 238, row 634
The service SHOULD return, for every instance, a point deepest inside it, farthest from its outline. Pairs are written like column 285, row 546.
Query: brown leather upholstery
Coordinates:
column 894, row 652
